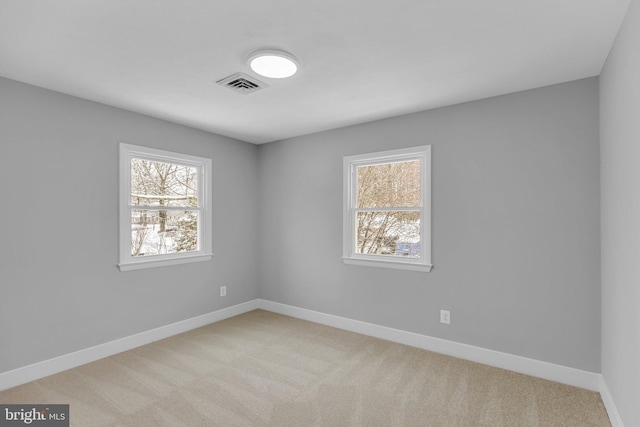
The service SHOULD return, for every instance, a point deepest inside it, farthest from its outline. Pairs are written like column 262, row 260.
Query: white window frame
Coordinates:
column 203, row 165
column 350, row 192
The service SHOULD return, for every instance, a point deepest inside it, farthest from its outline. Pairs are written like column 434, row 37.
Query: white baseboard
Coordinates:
column 562, row 374
column 58, row 364
column 609, row 404
column 523, row 365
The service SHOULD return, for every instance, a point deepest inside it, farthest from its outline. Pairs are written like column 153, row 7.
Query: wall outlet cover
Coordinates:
column 445, row 317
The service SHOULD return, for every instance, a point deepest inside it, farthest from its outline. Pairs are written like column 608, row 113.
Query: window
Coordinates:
column 165, row 208
column 387, row 209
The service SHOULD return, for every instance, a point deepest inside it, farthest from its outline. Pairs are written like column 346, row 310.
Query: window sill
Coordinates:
column 152, row 263
column 388, row 264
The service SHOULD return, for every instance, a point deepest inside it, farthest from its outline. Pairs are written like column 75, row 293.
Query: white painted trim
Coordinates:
column 152, row 263
column 388, row 264
column 609, row 404
column 61, row 363
column 562, row 374
column 523, row 365
column 349, row 195
column 204, row 165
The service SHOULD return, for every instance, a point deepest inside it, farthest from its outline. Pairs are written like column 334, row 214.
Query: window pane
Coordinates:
column 389, row 233
column 163, row 184
column 157, row 232
column 389, row 185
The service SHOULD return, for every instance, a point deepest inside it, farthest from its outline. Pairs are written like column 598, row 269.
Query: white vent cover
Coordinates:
column 242, row 83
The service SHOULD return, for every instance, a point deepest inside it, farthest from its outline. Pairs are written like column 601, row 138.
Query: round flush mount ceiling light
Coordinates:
column 275, row 64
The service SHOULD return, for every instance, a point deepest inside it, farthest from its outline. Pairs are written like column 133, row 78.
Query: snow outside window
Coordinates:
column 387, row 209
column 165, row 208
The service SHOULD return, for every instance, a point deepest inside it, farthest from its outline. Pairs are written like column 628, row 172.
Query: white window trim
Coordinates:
column 204, row 165
column 350, row 163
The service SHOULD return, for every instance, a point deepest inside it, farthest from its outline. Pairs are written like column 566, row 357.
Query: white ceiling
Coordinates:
column 360, row 60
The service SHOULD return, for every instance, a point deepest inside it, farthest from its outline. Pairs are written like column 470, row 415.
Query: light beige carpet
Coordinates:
column 264, row 369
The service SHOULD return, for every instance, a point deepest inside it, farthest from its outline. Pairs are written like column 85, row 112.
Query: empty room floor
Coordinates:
column 265, row 369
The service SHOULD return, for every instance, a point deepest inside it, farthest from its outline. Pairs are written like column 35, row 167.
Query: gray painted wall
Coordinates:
column 515, row 226
column 60, row 289
column 516, row 244
column 620, row 151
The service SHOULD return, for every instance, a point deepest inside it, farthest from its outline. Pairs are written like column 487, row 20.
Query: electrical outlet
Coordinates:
column 223, row 291
column 445, row 317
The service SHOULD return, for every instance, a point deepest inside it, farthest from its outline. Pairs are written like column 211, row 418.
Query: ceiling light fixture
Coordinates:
column 275, row 64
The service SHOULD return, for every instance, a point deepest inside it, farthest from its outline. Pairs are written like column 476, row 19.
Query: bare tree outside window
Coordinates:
column 388, row 209
column 167, row 221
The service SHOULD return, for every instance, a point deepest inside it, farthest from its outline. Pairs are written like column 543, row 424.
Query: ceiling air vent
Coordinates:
column 242, row 83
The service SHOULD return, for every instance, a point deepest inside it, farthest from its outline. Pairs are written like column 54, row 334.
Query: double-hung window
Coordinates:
column 165, row 208
column 387, row 209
